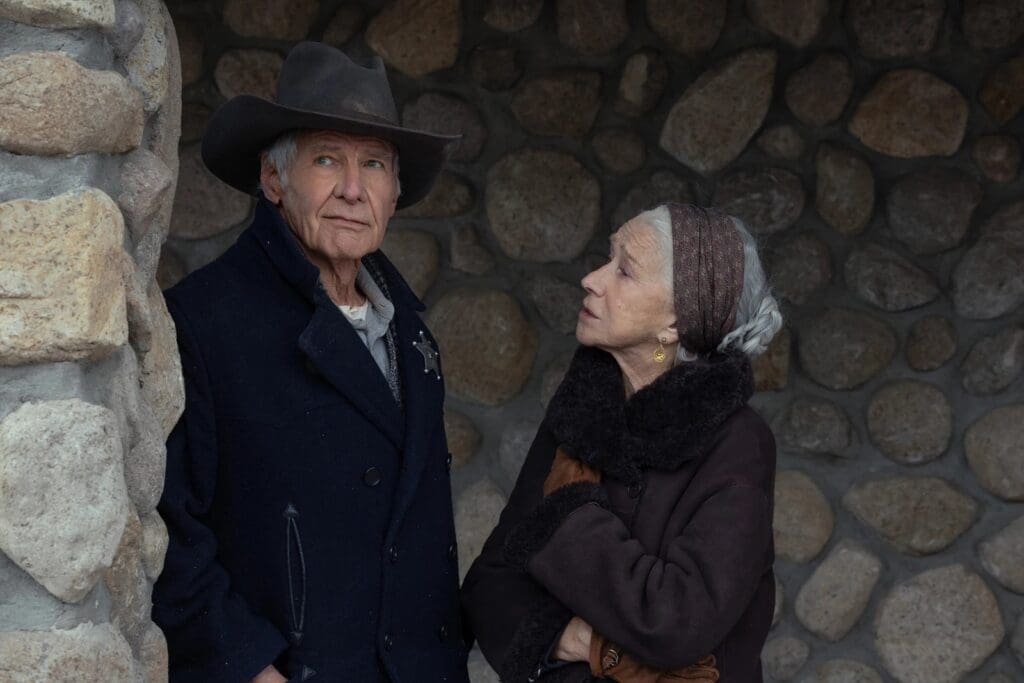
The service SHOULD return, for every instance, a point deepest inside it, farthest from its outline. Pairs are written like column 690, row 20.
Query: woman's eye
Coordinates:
column 621, row 272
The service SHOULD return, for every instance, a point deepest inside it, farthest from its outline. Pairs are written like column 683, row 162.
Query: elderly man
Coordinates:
column 307, row 497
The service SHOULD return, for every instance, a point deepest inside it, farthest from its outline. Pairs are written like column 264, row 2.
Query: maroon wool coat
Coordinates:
column 670, row 556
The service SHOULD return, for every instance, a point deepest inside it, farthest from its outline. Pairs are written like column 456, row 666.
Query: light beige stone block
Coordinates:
column 85, row 653
column 60, row 13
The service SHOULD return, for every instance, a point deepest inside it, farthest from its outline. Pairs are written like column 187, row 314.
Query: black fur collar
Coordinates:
column 662, row 426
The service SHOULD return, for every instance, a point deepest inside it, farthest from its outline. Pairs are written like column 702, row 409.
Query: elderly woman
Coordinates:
column 637, row 543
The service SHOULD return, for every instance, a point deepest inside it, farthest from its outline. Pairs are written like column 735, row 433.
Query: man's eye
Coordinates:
column 375, row 163
column 322, row 161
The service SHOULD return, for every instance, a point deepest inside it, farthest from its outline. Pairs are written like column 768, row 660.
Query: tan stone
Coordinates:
column 771, row 368
column 148, row 64
column 463, row 437
column 832, row 600
column 803, row 519
column 170, row 269
column 931, row 342
column 993, row 448
column 842, row 348
column 153, row 655
column 563, row 103
column 845, row 192
column 160, row 380
column 795, row 22
column 592, row 27
column 61, row 279
column 910, row 421
column 127, row 585
column 417, row 37
column 204, row 205
column 643, row 80
column 60, row 13
column 271, row 19
column 450, row 196
column 817, row 93
column 416, row 255
column 688, row 26
column 1003, row 555
column 476, row 514
column 248, row 72
column 46, row 92
column 85, row 653
column 467, row 254
column 154, row 544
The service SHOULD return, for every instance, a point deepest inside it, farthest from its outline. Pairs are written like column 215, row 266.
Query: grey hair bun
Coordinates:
column 753, row 336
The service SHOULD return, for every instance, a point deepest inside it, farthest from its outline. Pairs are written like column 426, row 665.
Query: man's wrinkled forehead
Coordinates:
column 327, row 140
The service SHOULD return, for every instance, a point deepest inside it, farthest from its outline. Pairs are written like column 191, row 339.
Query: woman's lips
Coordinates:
column 587, row 313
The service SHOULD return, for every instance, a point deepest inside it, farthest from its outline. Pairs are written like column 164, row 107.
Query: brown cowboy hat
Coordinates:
column 320, row 88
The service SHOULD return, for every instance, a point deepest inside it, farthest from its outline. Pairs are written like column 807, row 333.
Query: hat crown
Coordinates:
column 319, row 78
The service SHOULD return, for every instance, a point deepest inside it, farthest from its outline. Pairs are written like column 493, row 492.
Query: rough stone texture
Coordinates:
column 687, row 26
column 64, row 504
column 160, row 381
column 780, row 600
column 476, row 515
column 153, row 656
column 203, row 204
column 888, row 280
column 564, row 103
column 910, row 421
column 463, row 437
column 661, row 187
column 513, row 447
column 417, row 48
column 84, row 653
column 930, row 210
column 842, row 349
column 465, row 321
column 844, row 671
column 803, row 519
column 270, row 18
column 784, row 657
column 814, row 426
column 832, row 600
column 495, row 67
column 771, row 368
column 149, row 63
column 191, row 45
column 557, row 301
column 60, row 13
column 45, row 92
column 512, row 15
column 997, row 156
column 446, row 115
column 994, row 362
column 1002, row 92
column 718, row 114
column 553, row 375
column 797, row 23
column 128, row 586
column 467, row 254
column 931, row 342
column 899, row 28
column 345, row 23
column 918, row 515
column 194, row 118
column 170, row 270
column 798, row 267
column 147, row 188
column 1018, row 640
column 643, row 81
column 248, row 72
column 993, row 449
column 938, row 626
column 993, row 24
column 417, row 256
column 988, row 281
column 1002, row 555
column 450, row 196
column 592, row 27
column 542, row 205
column 781, row 142
column 911, row 113
column 767, row 200
column 61, row 273
column 154, row 544
column 619, row 150
column 818, row 92
column 845, row 192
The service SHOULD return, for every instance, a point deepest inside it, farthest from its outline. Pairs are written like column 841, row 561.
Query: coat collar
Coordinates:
column 662, row 426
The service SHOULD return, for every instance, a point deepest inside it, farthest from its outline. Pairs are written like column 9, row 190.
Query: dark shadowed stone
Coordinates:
column 784, row 657
column 644, row 77
column 931, row 342
column 450, row 196
column 448, row 115
column 416, row 255
column 803, row 519
column 190, row 46
column 592, row 27
column 204, row 205
column 833, row 599
column 1002, row 95
column 248, row 72
column 814, row 426
column 419, row 46
column 557, row 301
column 938, row 626
column 345, row 23
column 1006, row 224
column 992, row 446
column 895, row 28
column 799, row 267
column 194, row 117
column 842, row 349
column 930, row 210
column 466, row 252
column 767, row 200
column 463, row 437
column 564, row 103
column 911, row 113
column 553, row 375
column 993, row 24
column 884, row 278
column 910, row 421
column 845, row 192
column 780, row 600
column 918, row 515
column 989, row 280
column 542, row 205
column 781, row 142
column 994, row 362
column 170, row 269
column 661, row 187
column 797, row 23
column 818, row 92
column 1002, row 555
column 714, row 119
column 771, row 368
column 687, row 26
column 997, row 156
column 270, row 19
column 512, row 447
column 619, row 150
column 512, row 15
column 844, row 671
column 495, row 67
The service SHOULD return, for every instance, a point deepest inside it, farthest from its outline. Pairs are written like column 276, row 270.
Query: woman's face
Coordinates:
column 628, row 306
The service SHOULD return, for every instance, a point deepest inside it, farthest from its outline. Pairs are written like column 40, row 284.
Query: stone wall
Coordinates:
column 90, row 381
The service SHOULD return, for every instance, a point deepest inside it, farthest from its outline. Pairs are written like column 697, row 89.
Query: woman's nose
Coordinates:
column 590, row 282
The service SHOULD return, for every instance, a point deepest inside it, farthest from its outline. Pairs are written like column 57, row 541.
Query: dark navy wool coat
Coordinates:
column 309, row 515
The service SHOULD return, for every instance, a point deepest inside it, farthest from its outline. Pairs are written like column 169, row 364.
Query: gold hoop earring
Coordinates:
column 659, row 353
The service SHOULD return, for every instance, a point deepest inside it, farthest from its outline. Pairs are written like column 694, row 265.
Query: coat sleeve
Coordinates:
column 515, row 620
column 212, row 635
column 668, row 610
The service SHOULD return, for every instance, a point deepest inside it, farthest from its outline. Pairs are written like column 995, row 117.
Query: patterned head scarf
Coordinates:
column 707, row 276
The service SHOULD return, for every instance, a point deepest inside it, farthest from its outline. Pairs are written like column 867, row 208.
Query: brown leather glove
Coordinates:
column 566, row 470
column 607, row 660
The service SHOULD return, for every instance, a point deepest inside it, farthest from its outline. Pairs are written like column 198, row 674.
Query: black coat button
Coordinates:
column 452, row 551
column 448, row 462
column 371, row 477
column 442, row 633
column 393, row 554
column 389, row 642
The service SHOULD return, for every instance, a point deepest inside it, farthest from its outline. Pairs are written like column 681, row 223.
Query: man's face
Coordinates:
column 341, row 192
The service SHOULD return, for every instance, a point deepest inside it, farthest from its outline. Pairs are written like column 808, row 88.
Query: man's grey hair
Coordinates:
column 758, row 318
column 281, row 154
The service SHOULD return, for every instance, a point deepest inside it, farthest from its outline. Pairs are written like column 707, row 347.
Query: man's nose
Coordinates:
column 349, row 185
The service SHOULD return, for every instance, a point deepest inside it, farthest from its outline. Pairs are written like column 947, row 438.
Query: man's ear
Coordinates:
column 270, row 181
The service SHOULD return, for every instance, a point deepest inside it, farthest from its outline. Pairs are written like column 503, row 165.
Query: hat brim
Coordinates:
column 246, row 125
